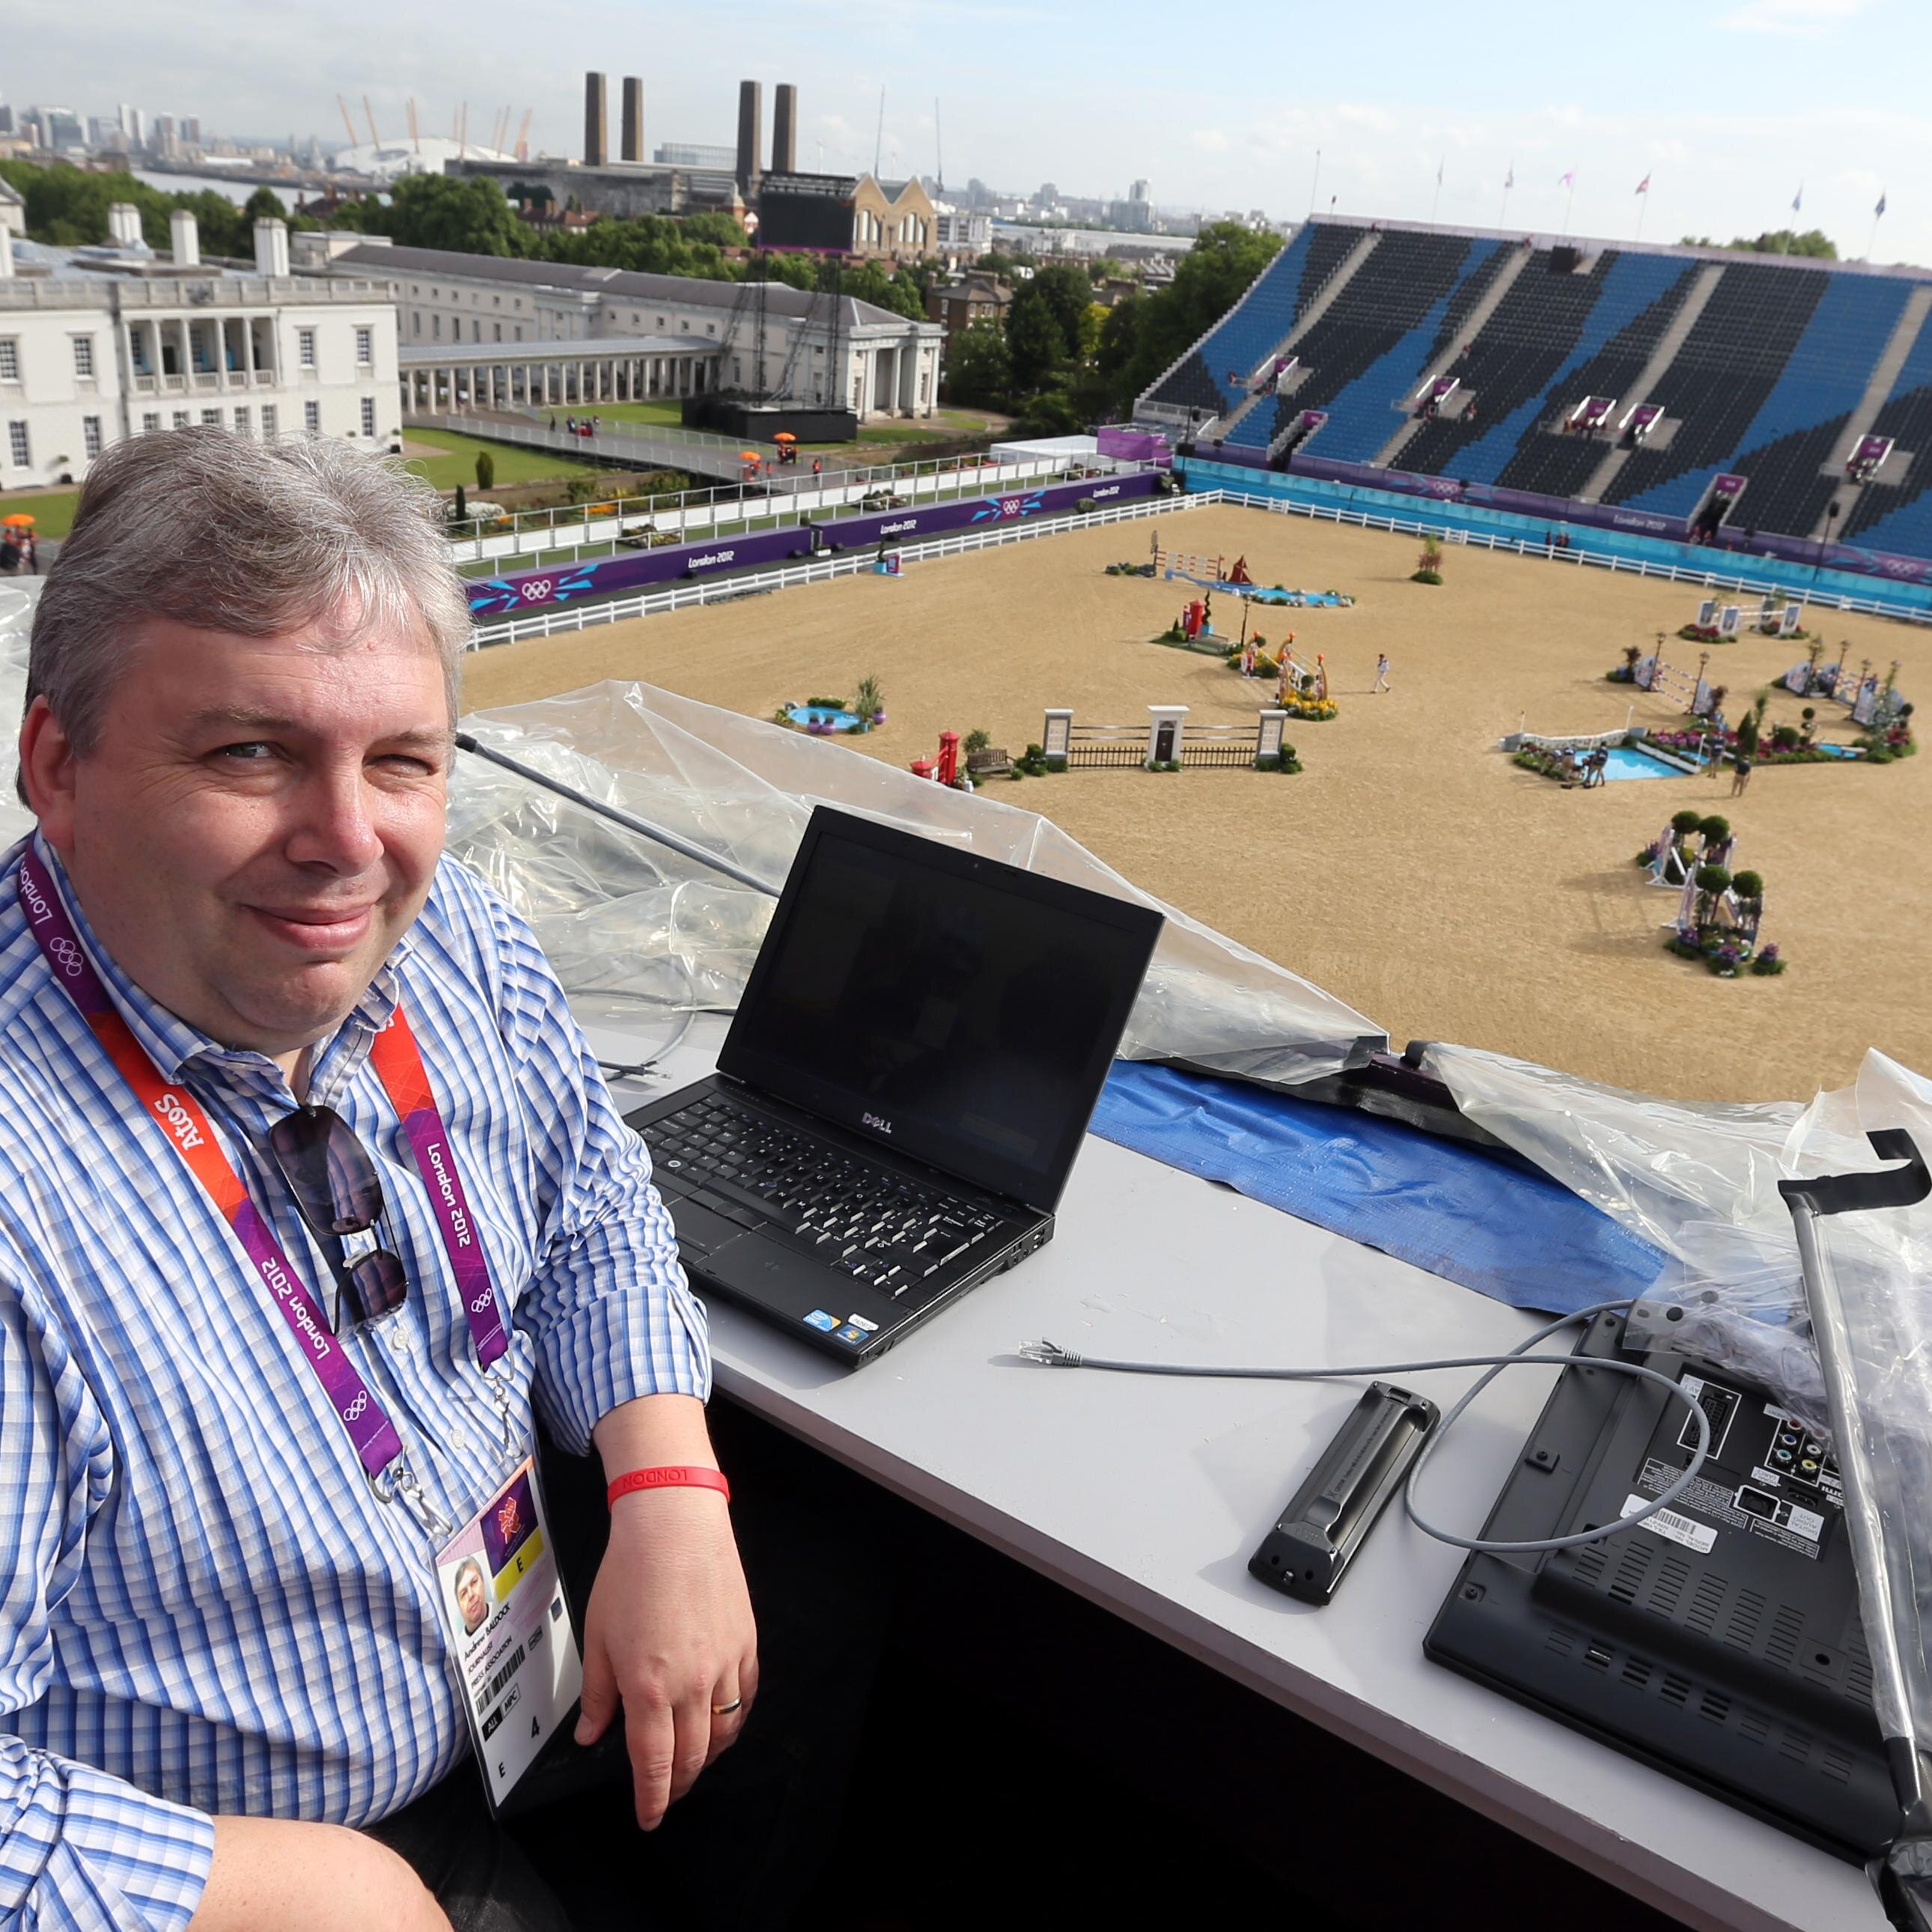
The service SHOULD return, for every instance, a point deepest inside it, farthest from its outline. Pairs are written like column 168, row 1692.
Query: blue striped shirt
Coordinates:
column 206, row 1608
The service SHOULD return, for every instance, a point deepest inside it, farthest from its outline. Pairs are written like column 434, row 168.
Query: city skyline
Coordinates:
column 1731, row 117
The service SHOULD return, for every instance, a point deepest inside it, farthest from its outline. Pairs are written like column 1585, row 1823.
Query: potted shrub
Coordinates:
column 1428, row 565
column 868, row 700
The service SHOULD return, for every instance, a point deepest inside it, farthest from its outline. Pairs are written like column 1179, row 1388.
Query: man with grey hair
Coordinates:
column 313, row 1193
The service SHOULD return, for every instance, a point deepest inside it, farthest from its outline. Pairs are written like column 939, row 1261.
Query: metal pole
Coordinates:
column 685, row 848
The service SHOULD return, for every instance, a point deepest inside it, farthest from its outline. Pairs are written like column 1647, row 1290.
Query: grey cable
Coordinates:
column 1050, row 1354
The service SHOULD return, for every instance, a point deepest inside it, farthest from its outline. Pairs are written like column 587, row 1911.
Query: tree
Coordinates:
column 1813, row 242
column 1051, row 413
column 1212, row 276
column 1036, row 344
column 1068, row 293
column 467, row 214
column 978, row 373
column 486, row 470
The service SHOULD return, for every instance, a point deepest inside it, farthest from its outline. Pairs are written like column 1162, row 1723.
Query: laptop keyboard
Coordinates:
column 904, row 1237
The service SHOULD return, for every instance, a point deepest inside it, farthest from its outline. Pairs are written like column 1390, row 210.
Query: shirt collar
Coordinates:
column 168, row 1040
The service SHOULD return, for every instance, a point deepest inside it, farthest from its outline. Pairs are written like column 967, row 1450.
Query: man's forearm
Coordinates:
column 653, row 1430
column 295, row 1877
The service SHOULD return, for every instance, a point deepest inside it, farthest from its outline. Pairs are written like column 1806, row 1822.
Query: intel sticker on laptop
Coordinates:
column 819, row 1319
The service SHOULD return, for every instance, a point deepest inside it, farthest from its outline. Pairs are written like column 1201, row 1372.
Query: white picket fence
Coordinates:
column 821, row 570
column 1630, row 566
column 817, row 570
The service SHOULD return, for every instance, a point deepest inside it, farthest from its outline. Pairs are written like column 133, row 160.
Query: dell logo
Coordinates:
column 883, row 1126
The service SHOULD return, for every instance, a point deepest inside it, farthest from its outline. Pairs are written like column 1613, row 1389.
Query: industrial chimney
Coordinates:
column 630, row 135
column 785, row 129
column 596, row 120
column 185, row 234
column 750, row 126
column 271, row 248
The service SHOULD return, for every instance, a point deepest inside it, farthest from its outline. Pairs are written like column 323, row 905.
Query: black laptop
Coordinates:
column 1719, row 1640
column 904, row 1086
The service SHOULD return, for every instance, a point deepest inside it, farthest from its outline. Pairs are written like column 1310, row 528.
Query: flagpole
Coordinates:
column 1643, row 205
column 1877, row 214
column 1314, row 184
column 1569, row 201
column 1437, row 202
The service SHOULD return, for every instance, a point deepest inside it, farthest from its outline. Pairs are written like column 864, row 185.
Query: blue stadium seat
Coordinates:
column 1374, row 340
column 1764, row 381
column 1897, row 515
column 1553, row 340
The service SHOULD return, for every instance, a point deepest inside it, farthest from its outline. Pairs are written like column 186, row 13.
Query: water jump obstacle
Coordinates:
column 1217, row 573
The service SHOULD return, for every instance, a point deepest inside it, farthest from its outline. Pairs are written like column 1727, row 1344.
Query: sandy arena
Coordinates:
column 1412, row 868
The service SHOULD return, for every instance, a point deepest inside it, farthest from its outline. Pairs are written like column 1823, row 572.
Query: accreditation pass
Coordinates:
column 502, row 1604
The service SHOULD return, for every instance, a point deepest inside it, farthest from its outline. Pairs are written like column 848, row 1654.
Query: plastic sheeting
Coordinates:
column 619, row 915
column 1508, row 1232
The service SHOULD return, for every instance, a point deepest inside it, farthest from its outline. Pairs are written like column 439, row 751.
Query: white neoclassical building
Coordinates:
column 100, row 343
column 668, row 335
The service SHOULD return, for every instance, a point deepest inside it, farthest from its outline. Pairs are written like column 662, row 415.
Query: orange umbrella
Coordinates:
column 18, row 521
column 784, row 436
column 751, row 456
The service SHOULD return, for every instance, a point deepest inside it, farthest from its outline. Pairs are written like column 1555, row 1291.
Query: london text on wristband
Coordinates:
column 677, row 1476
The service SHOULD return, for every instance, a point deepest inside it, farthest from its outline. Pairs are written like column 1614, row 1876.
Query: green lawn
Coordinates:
column 514, row 465
column 53, row 514
column 664, row 413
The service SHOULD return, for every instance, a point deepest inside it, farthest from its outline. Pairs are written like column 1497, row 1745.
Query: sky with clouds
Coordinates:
column 1730, row 107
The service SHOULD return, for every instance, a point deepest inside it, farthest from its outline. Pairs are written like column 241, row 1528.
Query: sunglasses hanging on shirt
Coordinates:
column 336, row 1188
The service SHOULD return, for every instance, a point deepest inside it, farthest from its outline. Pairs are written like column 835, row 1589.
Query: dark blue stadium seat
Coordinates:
column 1897, row 515
column 1373, row 340
column 1532, row 359
column 1249, row 330
column 1778, row 349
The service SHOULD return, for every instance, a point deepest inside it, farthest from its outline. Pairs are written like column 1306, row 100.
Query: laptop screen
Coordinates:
column 956, row 1010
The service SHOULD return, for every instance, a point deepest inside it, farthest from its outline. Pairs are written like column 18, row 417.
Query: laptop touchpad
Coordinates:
column 699, row 1228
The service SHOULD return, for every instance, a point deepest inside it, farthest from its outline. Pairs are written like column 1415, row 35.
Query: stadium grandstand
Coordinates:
column 1780, row 401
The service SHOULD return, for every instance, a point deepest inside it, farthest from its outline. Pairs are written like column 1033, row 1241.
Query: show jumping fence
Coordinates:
column 1166, row 739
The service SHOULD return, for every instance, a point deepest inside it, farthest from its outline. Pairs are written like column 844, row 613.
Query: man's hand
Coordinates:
column 272, row 1872
column 669, row 1633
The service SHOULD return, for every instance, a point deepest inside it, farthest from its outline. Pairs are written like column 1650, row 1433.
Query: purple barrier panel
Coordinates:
column 1871, row 452
column 1133, row 445
column 1519, row 502
column 572, row 583
column 934, row 519
column 1731, row 487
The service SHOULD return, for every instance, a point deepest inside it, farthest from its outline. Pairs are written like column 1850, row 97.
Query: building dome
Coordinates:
column 426, row 157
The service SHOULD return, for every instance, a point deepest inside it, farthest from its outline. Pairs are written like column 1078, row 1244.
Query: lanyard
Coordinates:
column 398, row 1065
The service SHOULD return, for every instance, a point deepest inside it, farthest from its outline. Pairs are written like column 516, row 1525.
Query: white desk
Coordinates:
column 1148, row 1496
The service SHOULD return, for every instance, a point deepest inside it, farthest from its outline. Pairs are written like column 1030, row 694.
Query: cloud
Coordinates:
column 1805, row 18
column 1210, row 140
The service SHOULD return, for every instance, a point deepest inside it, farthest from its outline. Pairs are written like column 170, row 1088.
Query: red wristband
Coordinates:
column 672, row 1477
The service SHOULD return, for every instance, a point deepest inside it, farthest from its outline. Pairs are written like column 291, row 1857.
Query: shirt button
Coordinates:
column 459, row 1440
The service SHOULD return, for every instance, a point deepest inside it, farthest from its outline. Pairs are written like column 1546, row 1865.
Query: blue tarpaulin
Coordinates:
column 1503, row 1230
